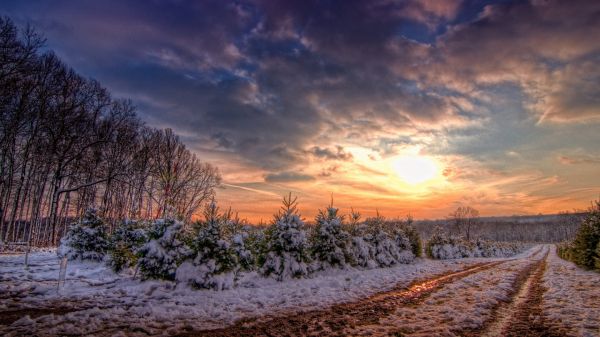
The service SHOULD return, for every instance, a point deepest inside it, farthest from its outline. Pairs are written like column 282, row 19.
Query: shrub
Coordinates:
column 214, row 261
column 441, row 246
column 406, row 230
column 165, row 250
column 330, row 242
column 85, row 239
column 124, row 244
column 386, row 250
column 286, row 244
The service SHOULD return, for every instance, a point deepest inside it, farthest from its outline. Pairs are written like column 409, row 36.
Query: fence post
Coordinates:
column 62, row 272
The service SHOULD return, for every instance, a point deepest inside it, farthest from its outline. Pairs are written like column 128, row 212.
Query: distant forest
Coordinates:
column 66, row 144
column 530, row 228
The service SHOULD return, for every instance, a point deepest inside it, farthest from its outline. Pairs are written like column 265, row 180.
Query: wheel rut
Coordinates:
column 334, row 320
column 522, row 315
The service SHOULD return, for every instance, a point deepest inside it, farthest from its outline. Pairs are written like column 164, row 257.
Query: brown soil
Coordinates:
column 332, row 321
column 528, row 320
column 521, row 317
column 10, row 316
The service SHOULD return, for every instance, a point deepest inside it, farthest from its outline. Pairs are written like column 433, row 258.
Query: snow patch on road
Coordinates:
column 572, row 298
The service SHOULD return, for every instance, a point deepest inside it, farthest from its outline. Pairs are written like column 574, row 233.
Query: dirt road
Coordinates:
column 503, row 297
column 518, row 314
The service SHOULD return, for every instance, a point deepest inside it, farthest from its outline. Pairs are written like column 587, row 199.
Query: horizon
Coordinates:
column 402, row 107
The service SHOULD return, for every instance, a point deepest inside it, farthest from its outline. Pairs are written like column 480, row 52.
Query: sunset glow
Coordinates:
column 416, row 169
column 402, row 107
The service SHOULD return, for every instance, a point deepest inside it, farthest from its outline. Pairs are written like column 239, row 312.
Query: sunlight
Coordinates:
column 415, row 169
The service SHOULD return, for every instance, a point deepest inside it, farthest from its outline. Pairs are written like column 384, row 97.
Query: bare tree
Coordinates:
column 65, row 145
column 464, row 217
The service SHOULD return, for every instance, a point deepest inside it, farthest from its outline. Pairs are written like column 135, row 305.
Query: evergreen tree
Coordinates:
column 330, row 241
column 413, row 236
column 165, row 250
column 597, row 258
column 385, row 251
column 404, row 244
column 287, row 246
column 256, row 243
column 85, row 239
column 124, row 244
column 236, row 231
column 585, row 244
column 361, row 250
column 214, row 261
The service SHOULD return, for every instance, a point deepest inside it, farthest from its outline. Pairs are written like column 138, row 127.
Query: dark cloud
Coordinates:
column 336, row 153
column 268, row 80
column 548, row 48
column 286, row 177
column 222, row 140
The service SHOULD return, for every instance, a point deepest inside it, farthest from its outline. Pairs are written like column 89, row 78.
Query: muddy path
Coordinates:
column 335, row 320
column 340, row 319
column 522, row 315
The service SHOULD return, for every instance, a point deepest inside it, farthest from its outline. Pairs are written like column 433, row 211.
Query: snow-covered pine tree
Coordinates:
column 330, row 242
column 256, row 243
column 286, row 243
column 413, row 236
column 405, row 251
column 587, row 238
column 361, row 250
column 124, row 244
column 86, row 239
column 442, row 246
column 214, row 262
column 236, row 231
column 162, row 254
column 385, row 251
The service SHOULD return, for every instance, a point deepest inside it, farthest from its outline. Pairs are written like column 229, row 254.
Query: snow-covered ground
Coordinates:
column 458, row 306
column 105, row 301
column 96, row 301
column 572, row 296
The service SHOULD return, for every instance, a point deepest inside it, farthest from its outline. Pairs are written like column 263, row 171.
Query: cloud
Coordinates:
column 547, row 48
column 278, row 91
column 287, row 177
column 579, row 159
column 336, row 153
column 429, row 12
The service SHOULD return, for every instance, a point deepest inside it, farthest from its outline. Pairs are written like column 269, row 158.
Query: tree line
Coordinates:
column 66, row 144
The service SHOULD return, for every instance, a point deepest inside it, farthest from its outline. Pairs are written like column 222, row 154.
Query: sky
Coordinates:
column 415, row 106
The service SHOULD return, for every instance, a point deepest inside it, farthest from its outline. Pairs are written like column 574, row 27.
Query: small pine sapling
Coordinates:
column 287, row 247
column 330, row 242
column 214, row 262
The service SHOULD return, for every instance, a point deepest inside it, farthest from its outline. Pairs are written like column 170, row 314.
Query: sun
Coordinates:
column 415, row 169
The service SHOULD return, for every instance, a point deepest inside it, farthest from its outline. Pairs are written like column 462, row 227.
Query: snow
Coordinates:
column 287, row 247
column 107, row 302
column 95, row 300
column 160, row 255
column 466, row 304
column 572, row 296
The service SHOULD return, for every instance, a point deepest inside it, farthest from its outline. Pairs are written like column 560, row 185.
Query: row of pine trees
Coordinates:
column 213, row 252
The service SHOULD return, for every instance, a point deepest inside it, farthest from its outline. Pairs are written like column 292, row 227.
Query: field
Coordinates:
column 534, row 293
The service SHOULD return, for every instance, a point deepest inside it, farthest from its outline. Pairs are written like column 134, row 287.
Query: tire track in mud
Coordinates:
column 522, row 315
column 10, row 316
column 335, row 319
column 7, row 317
